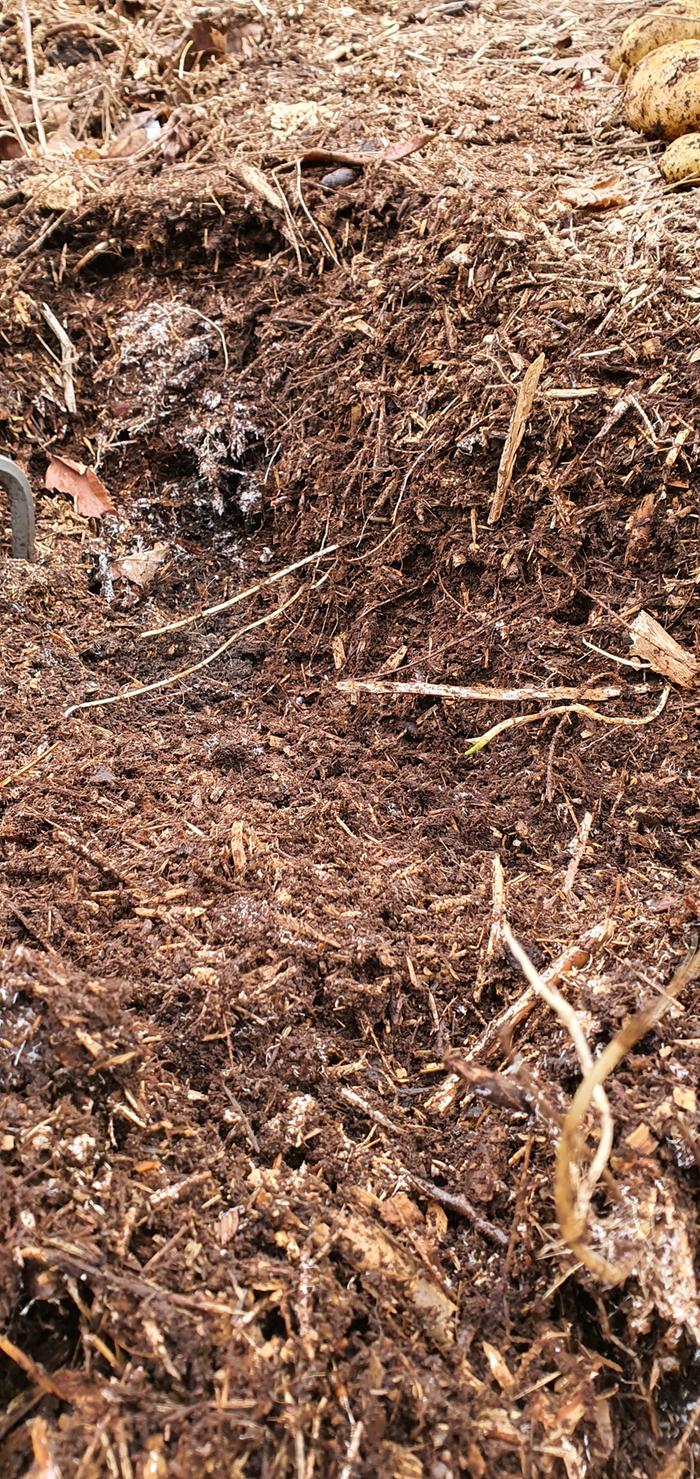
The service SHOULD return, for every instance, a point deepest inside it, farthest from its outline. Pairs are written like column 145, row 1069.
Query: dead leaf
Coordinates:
column 55, row 193
column 596, row 195
column 141, row 567
column 402, row 150
column 90, row 497
column 202, row 41
column 357, row 158
column 588, row 61
column 394, row 661
column 10, row 147
column 139, row 131
column 666, row 656
column 63, row 141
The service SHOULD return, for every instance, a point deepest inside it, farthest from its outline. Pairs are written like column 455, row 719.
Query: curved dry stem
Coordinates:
column 619, row 721
column 117, row 698
column 250, row 590
column 570, row 1022
column 572, row 1223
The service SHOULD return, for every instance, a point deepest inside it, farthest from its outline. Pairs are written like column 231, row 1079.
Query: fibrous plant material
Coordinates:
column 478, row 693
column 570, row 1021
column 570, row 1213
column 251, row 590
column 621, row 721
column 146, row 688
column 498, row 1032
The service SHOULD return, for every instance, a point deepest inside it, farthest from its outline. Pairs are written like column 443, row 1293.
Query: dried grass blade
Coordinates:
column 516, row 432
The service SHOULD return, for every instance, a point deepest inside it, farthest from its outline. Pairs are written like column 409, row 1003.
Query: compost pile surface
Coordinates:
column 251, row 1225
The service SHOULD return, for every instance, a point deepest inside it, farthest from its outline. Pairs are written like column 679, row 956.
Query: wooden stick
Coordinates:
column 579, row 848
column 481, row 693
column 68, row 357
column 6, row 101
column 570, row 1021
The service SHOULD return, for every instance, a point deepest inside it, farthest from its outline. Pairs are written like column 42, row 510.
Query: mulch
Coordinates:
column 252, row 918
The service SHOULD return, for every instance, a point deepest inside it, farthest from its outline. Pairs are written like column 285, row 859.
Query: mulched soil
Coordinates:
column 250, row 1226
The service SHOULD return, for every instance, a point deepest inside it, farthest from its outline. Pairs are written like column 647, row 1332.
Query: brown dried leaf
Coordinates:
column 10, row 147
column 651, row 642
column 90, row 497
column 141, row 568
column 357, row 158
column 596, row 195
column 203, row 40
column 63, row 141
column 588, row 61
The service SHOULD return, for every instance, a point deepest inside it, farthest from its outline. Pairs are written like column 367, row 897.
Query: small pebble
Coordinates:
column 338, row 178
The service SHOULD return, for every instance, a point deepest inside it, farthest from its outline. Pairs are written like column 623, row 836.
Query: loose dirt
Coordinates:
column 251, row 1225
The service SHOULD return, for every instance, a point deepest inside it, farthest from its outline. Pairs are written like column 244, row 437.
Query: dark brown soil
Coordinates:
column 245, row 916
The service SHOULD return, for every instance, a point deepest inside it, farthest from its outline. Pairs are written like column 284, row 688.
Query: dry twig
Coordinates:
column 573, row 958
column 578, row 849
column 569, row 1020
column 518, row 720
column 480, row 693
column 68, row 357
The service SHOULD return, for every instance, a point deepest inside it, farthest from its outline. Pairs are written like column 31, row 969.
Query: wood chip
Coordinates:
column 652, row 643
column 685, row 1098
